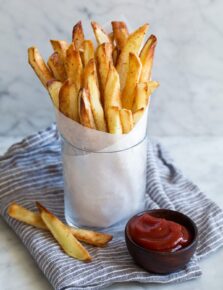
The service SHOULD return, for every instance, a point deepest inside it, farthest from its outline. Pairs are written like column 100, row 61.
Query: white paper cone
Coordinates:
column 92, row 140
column 104, row 174
column 105, row 184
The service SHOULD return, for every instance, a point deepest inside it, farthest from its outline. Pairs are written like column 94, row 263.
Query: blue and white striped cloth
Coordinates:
column 31, row 170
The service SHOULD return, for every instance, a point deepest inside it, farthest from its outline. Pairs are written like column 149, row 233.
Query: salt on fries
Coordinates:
column 92, row 85
column 67, row 237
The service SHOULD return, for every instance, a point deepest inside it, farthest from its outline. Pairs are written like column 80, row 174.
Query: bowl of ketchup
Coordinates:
column 161, row 240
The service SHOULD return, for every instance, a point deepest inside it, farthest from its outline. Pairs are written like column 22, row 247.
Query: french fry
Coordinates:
column 91, row 237
column 78, row 35
column 115, row 54
column 37, row 63
column 89, row 69
column 142, row 93
column 133, row 76
column 57, row 67
column 97, row 109
column 153, row 85
column 133, row 45
column 63, row 235
column 88, row 53
column 24, row 215
column 111, row 37
column 138, row 115
column 61, row 47
column 54, row 89
column 120, row 33
column 74, row 67
column 103, row 58
column 112, row 96
column 114, row 121
column 100, row 35
column 68, row 100
column 126, row 120
column 146, row 57
column 84, row 109
column 81, row 51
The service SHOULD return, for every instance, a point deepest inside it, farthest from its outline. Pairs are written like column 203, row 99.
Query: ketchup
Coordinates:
column 158, row 233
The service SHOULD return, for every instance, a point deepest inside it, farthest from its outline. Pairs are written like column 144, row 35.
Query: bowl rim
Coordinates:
column 176, row 253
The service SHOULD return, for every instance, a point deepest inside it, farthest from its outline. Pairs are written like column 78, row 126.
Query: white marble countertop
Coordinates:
column 199, row 157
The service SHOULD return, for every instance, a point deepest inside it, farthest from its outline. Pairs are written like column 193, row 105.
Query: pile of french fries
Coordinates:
column 106, row 88
column 68, row 237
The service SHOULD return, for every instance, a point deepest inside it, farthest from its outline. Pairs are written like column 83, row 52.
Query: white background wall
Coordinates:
column 188, row 61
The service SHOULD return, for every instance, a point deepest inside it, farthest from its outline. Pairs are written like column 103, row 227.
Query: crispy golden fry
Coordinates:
column 63, row 235
column 85, row 111
column 68, row 100
column 100, row 35
column 91, row 237
column 111, row 37
column 133, row 45
column 133, row 76
column 146, row 57
column 74, row 67
column 126, row 120
column 78, row 35
column 81, row 51
column 114, row 121
column 61, row 47
column 88, row 48
column 115, row 54
column 112, row 96
column 37, row 63
column 89, row 69
column 120, row 33
column 33, row 218
column 142, row 93
column 57, row 67
column 103, row 58
column 54, row 89
column 97, row 109
column 152, row 85
column 24, row 215
column 138, row 115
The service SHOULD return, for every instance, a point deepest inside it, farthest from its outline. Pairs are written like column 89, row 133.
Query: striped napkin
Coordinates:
column 31, row 170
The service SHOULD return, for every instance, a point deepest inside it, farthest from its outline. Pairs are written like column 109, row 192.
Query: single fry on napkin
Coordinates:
column 91, row 237
column 24, row 215
column 63, row 235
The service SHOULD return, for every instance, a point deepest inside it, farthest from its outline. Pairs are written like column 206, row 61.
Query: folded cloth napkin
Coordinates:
column 31, row 170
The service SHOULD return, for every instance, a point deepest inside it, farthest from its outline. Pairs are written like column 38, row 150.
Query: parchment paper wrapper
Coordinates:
column 104, row 174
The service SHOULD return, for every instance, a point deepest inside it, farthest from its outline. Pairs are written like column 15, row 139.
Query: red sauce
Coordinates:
column 158, row 233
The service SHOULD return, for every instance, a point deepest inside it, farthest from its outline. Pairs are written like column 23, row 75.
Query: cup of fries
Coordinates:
column 101, row 92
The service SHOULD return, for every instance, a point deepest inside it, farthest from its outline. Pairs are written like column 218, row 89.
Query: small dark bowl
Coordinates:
column 163, row 262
